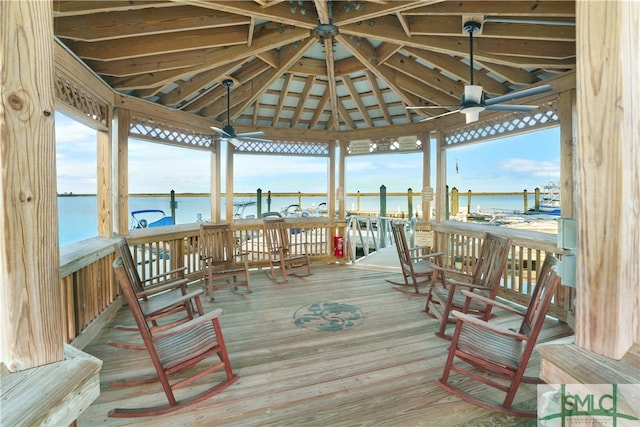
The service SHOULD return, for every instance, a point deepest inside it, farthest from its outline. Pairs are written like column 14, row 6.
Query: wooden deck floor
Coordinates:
column 380, row 372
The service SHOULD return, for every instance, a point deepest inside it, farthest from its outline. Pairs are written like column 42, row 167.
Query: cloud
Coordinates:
column 536, row 168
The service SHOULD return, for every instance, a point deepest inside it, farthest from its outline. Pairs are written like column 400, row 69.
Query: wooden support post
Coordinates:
column 442, row 207
column 259, row 203
column 608, row 176
column 121, row 135
column 106, row 196
column 30, row 295
column 228, row 191
column 426, row 177
column 215, row 183
column 410, row 202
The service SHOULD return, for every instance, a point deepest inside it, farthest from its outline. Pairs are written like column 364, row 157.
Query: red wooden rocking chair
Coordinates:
column 175, row 350
column 280, row 251
column 417, row 267
column 485, row 280
column 219, row 255
column 503, row 353
column 160, row 296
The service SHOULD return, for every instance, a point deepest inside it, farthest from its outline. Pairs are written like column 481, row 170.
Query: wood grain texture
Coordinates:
column 29, row 257
column 608, row 174
column 381, row 372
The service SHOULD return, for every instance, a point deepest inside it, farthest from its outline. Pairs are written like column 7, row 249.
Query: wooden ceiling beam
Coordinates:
column 304, row 96
column 346, row 117
column 425, row 74
column 388, row 30
column 87, row 7
column 213, row 102
column 281, row 101
column 369, row 11
column 319, row 109
column 197, row 83
column 458, row 69
column 529, row 8
column 357, row 99
column 288, row 55
column 267, row 40
column 278, row 13
column 331, row 79
column 120, row 24
column 373, row 83
column 159, row 44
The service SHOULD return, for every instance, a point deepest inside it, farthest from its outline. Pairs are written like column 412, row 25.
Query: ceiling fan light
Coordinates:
column 472, row 114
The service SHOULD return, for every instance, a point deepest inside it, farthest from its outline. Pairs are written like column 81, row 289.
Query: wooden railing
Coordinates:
column 89, row 288
column 90, row 291
column 461, row 243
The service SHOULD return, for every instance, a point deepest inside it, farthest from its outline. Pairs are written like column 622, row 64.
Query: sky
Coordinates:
column 505, row 165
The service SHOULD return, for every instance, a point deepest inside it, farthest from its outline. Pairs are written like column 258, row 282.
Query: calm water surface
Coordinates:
column 77, row 215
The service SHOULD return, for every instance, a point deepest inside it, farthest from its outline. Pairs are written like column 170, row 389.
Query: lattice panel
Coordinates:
column 70, row 93
column 384, row 145
column 490, row 129
column 153, row 130
column 284, row 148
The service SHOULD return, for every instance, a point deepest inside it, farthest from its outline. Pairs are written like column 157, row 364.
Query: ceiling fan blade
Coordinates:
column 440, row 115
column 252, row 139
column 220, row 131
column 511, row 107
column 519, row 94
column 425, row 107
column 254, row 133
column 472, row 94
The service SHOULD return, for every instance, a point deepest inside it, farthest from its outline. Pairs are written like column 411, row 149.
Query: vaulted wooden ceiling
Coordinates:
column 315, row 64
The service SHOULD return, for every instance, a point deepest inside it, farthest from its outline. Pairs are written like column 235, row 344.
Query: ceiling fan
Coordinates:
column 473, row 102
column 228, row 133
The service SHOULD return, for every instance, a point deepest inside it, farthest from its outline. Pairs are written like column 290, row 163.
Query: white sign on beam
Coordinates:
column 407, row 143
column 360, row 146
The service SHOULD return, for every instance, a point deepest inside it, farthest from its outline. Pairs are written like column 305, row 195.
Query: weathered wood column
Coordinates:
column 215, row 181
column 608, row 174
column 441, row 178
column 121, row 135
column 229, row 184
column 426, row 176
column 30, row 298
column 567, row 115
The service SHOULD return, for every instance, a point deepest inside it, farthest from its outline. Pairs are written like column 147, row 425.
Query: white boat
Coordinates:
column 550, row 201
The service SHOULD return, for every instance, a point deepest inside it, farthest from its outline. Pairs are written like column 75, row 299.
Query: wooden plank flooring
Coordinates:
column 381, row 372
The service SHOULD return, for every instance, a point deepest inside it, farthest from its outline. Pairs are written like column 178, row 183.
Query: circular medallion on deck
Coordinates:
column 328, row 317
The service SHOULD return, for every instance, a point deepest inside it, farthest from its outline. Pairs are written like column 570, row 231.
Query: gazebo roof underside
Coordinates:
column 292, row 73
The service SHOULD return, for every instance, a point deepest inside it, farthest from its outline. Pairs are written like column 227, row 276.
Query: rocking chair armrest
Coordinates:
column 426, row 256
column 177, row 284
column 196, row 321
column 457, row 275
column 180, row 271
column 492, row 302
column 487, row 326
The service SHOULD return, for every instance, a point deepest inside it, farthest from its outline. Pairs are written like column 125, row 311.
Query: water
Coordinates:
column 77, row 216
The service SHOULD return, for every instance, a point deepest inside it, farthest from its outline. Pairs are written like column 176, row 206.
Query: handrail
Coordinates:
column 89, row 288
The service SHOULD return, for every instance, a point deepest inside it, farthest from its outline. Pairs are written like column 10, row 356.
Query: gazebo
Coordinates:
column 328, row 79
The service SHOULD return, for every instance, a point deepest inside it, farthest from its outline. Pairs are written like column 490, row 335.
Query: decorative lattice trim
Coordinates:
column 155, row 130
column 543, row 117
column 71, row 94
column 284, row 148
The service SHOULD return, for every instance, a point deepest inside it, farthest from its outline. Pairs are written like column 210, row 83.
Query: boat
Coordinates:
column 239, row 207
column 550, row 201
column 147, row 218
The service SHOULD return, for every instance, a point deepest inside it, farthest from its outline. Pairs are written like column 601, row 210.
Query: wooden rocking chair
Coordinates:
column 485, row 280
column 280, row 253
column 175, row 350
column 503, row 353
column 417, row 266
column 160, row 296
column 218, row 254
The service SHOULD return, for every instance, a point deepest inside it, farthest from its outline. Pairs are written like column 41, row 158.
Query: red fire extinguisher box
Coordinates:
column 338, row 246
